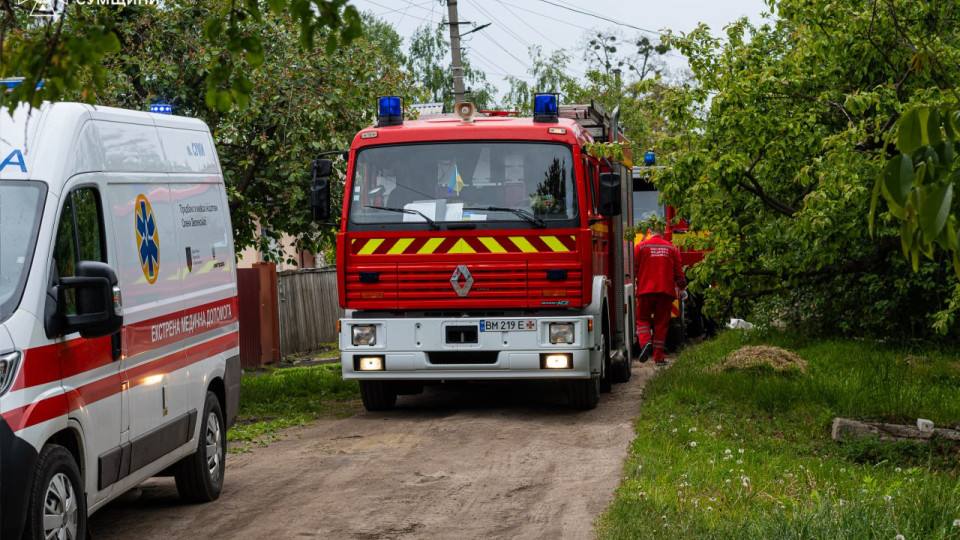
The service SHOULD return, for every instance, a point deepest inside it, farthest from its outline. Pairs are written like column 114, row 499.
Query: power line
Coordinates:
column 601, row 17
column 555, row 44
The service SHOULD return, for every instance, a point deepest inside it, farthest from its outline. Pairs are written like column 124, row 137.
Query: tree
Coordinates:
column 35, row 45
column 429, row 65
column 550, row 75
column 778, row 146
column 299, row 103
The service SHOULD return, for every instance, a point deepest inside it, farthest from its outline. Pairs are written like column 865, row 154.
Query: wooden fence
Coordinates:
column 257, row 299
column 308, row 308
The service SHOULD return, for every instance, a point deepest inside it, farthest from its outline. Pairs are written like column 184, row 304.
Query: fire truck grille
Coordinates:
column 484, row 281
column 461, row 357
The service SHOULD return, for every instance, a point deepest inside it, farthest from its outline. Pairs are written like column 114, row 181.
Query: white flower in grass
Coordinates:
column 709, row 508
column 693, row 444
column 711, row 462
column 898, row 469
column 899, row 537
column 714, row 499
column 719, row 427
column 739, row 462
column 956, row 523
column 740, row 450
column 692, row 430
column 674, row 430
column 727, row 451
column 887, row 498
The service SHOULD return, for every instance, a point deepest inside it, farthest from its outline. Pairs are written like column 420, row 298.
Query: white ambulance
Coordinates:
column 119, row 348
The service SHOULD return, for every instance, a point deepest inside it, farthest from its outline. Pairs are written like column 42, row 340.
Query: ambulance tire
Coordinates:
column 378, row 395
column 675, row 334
column 57, row 485
column 584, row 394
column 200, row 476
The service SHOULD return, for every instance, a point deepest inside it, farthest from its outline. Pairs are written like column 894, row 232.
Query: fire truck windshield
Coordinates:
column 492, row 184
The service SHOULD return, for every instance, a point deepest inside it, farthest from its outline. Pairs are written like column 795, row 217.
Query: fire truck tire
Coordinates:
column 57, row 507
column 199, row 476
column 378, row 395
column 584, row 394
column 606, row 381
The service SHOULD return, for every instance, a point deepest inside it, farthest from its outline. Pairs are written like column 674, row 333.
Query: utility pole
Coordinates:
column 457, row 68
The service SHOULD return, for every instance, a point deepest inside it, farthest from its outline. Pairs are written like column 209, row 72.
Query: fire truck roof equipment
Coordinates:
column 545, row 108
column 390, row 111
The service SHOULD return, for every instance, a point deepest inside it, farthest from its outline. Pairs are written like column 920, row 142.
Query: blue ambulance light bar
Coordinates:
column 545, row 107
column 390, row 111
column 161, row 108
column 14, row 82
column 649, row 159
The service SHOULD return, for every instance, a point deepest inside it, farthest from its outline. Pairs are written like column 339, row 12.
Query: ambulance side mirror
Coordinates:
column 610, row 194
column 97, row 301
column 320, row 172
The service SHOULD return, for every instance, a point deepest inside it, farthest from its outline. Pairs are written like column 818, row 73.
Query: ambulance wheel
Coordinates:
column 675, row 335
column 57, row 508
column 378, row 395
column 200, row 476
column 584, row 394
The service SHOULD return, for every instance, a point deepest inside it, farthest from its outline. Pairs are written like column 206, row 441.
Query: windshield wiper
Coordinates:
column 406, row 211
column 515, row 211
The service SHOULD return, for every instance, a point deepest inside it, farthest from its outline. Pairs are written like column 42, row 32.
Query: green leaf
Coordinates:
column 956, row 263
column 898, row 179
column 910, row 133
column 945, row 153
column 905, row 238
column 873, row 204
column 213, row 28
column 952, row 234
column 935, row 201
column 254, row 50
column 932, row 133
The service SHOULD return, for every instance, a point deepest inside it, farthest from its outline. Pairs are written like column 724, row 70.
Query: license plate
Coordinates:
column 508, row 325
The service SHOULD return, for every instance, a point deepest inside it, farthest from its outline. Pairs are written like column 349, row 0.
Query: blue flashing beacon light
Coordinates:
column 390, row 111
column 161, row 108
column 545, row 107
column 649, row 159
column 14, row 82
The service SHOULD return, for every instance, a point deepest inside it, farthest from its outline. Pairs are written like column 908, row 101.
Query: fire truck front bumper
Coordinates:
column 471, row 348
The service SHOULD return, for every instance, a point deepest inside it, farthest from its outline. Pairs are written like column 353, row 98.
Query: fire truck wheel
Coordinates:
column 584, row 394
column 57, row 505
column 606, row 382
column 623, row 371
column 200, row 476
column 378, row 395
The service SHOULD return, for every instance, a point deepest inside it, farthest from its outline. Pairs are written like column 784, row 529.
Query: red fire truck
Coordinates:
column 483, row 248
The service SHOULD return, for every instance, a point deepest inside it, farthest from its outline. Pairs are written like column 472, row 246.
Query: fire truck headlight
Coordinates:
column 556, row 361
column 8, row 370
column 369, row 363
column 364, row 335
column 561, row 333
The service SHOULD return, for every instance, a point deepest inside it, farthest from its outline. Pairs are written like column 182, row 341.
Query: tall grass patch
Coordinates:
column 275, row 399
column 747, row 453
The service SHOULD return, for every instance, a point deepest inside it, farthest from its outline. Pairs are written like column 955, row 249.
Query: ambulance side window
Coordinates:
column 79, row 237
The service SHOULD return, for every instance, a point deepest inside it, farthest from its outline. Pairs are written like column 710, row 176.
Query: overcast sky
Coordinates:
column 501, row 48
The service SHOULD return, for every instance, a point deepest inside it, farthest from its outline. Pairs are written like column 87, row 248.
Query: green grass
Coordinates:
column 275, row 399
column 748, row 454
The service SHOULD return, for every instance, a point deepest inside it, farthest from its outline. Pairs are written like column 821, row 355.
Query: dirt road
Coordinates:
column 485, row 461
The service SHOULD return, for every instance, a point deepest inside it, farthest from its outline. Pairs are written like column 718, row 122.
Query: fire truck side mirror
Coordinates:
column 610, row 194
column 320, row 170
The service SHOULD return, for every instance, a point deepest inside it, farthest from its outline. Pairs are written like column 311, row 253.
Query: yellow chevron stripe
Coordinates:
column 430, row 246
column 522, row 244
column 371, row 246
column 553, row 243
column 492, row 244
column 400, row 246
column 462, row 247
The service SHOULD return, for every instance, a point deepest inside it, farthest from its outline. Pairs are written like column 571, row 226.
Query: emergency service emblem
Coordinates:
column 148, row 239
column 462, row 272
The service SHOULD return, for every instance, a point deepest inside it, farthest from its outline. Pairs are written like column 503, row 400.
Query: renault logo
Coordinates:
column 461, row 273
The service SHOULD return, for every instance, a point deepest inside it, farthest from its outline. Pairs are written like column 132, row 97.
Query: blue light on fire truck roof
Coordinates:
column 161, row 108
column 649, row 159
column 390, row 111
column 545, row 107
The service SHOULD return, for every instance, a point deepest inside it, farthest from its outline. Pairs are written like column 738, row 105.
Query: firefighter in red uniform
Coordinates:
column 659, row 276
